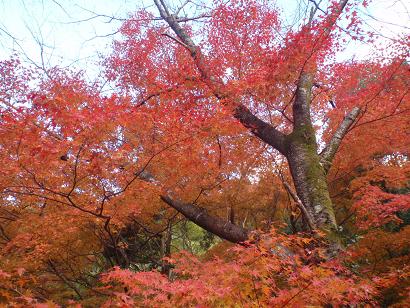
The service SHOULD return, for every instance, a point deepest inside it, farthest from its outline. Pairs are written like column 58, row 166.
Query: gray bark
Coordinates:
column 329, row 152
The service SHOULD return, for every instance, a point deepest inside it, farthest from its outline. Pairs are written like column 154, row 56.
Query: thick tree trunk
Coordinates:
column 311, row 186
column 309, row 175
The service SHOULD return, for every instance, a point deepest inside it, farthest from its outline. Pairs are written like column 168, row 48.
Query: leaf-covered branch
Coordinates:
column 258, row 127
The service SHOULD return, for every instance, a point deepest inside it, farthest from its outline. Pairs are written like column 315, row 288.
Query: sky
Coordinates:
column 72, row 35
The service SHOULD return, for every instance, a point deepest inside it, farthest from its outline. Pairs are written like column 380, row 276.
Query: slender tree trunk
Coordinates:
column 166, row 241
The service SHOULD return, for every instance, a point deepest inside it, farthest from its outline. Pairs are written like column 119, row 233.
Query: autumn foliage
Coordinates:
column 97, row 185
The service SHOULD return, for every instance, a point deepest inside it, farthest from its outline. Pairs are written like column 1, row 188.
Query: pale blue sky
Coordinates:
column 53, row 23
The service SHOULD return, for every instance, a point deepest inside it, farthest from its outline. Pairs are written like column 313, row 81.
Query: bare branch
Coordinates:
column 176, row 40
column 178, row 10
column 300, row 205
column 331, row 148
column 218, row 226
column 314, row 10
column 260, row 129
column 199, row 216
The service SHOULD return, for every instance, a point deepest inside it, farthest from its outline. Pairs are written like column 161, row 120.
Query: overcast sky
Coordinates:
column 71, row 36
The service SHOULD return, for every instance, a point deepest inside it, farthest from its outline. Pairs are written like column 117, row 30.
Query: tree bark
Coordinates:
column 166, row 241
column 311, row 185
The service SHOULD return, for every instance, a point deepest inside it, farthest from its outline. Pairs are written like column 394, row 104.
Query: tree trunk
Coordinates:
column 166, row 241
column 310, row 182
column 309, row 175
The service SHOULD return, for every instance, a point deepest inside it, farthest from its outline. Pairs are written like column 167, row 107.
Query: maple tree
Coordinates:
column 253, row 132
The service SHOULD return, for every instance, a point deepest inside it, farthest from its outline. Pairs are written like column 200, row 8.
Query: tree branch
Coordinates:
column 300, row 205
column 329, row 152
column 258, row 127
column 213, row 224
column 175, row 40
column 199, row 216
